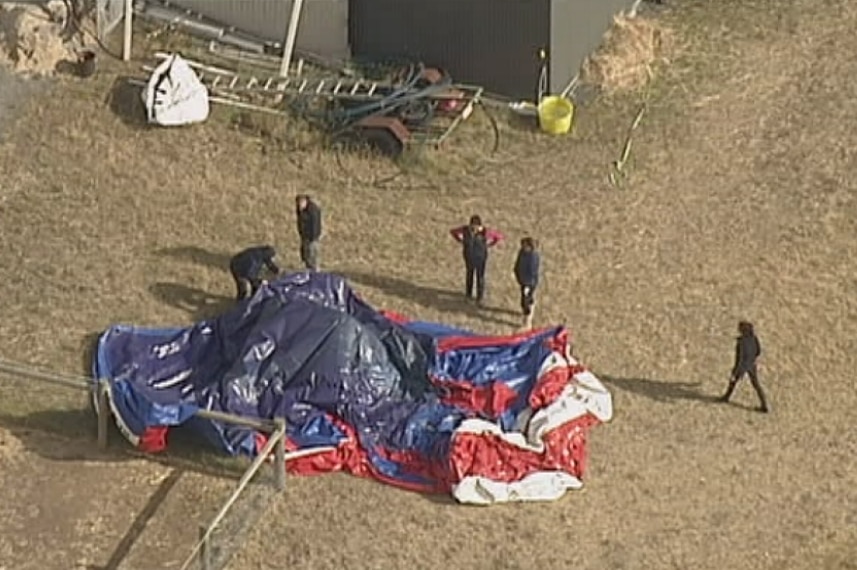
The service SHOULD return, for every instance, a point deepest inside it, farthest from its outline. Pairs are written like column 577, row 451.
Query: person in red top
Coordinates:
column 475, row 240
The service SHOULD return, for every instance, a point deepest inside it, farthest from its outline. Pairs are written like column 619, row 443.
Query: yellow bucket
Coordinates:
column 555, row 115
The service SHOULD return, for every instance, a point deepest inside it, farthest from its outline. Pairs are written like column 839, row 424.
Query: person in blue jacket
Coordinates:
column 527, row 274
column 246, row 268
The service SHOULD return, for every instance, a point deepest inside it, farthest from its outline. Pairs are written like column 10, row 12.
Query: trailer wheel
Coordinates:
column 382, row 140
column 417, row 113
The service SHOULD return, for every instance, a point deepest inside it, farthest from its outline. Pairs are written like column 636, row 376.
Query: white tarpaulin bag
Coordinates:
column 174, row 94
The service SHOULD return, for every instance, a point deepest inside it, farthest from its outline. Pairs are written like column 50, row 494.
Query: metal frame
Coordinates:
column 380, row 99
column 276, row 443
column 108, row 15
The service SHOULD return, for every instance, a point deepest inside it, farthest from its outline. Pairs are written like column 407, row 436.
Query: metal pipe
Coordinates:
column 128, row 30
column 78, row 383
column 261, row 425
column 103, row 412
column 203, row 28
column 245, row 479
column 291, row 37
column 280, row 456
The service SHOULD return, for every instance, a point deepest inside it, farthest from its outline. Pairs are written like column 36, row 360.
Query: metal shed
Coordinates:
column 493, row 43
column 323, row 28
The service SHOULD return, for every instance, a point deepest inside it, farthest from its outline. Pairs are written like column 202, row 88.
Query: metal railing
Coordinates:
column 203, row 548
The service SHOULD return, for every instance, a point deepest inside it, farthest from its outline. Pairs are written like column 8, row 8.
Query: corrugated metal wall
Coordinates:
column 577, row 27
column 493, row 43
column 323, row 27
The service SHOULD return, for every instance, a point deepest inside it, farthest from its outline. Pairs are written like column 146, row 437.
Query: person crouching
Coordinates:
column 246, row 268
column 527, row 274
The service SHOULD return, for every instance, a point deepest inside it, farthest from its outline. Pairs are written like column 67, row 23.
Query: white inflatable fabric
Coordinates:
column 174, row 94
column 584, row 395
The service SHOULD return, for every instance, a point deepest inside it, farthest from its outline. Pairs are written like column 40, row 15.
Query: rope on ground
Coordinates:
column 32, row 373
column 618, row 173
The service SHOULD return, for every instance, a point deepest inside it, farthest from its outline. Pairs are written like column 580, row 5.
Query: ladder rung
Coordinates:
column 355, row 87
column 337, row 88
column 320, row 86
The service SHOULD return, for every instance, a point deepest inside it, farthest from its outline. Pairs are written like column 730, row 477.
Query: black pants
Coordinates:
column 245, row 285
column 309, row 254
column 528, row 299
column 753, row 373
column 475, row 269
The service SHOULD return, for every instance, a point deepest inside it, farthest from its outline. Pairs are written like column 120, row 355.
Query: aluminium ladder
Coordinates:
column 218, row 79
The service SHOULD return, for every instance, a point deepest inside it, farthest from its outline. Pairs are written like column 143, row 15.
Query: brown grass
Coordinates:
column 740, row 204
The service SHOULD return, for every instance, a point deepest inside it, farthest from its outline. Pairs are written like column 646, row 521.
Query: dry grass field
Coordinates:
column 740, row 204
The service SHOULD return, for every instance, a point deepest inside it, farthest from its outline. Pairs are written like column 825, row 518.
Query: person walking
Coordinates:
column 246, row 267
column 309, row 230
column 475, row 240
column 527, row 274
column 747, row 351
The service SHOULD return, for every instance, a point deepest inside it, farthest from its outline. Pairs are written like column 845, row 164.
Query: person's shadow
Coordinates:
column 197, row 303
column 659, row 390
column 197, row 255
column 429, row 297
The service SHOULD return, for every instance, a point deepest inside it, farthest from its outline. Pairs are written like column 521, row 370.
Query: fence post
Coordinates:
column 280, row 455
column 103, row 412
column 205, row 549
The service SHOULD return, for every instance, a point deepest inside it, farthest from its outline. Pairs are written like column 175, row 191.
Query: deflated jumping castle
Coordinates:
column 414, row 404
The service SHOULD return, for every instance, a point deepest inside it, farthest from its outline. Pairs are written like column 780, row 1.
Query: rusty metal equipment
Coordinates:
column 415, row 106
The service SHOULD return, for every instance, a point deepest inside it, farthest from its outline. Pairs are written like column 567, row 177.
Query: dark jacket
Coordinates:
column 527, row 268
column 309, row 222
column 747, row 350
column 475, row 244
column 249, row 263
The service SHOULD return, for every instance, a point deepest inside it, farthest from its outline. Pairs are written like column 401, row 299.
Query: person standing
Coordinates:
column 246, row 267
column 475, row 240
column 527, row 274
column 309, row 230
column 747, row 351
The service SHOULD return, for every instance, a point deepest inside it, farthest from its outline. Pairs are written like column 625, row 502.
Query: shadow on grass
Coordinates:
column 430, row 297
column 71, row 435
column 125, row 101
column 67, row 67
column 197, row 255
column 659, row 390
column 197, row 303
column 140, row 521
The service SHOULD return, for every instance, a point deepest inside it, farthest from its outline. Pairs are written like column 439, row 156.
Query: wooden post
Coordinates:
column 280, row 455
column 126, row 38
column 205, row 550
column 103, row 392
column 291, row 36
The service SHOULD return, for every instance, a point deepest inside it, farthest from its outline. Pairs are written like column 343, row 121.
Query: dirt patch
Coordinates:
column 630, row 49
column 31, row 37
column 10, row 447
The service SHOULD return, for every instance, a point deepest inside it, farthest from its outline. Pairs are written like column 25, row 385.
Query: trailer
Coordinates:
column 415, row 105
